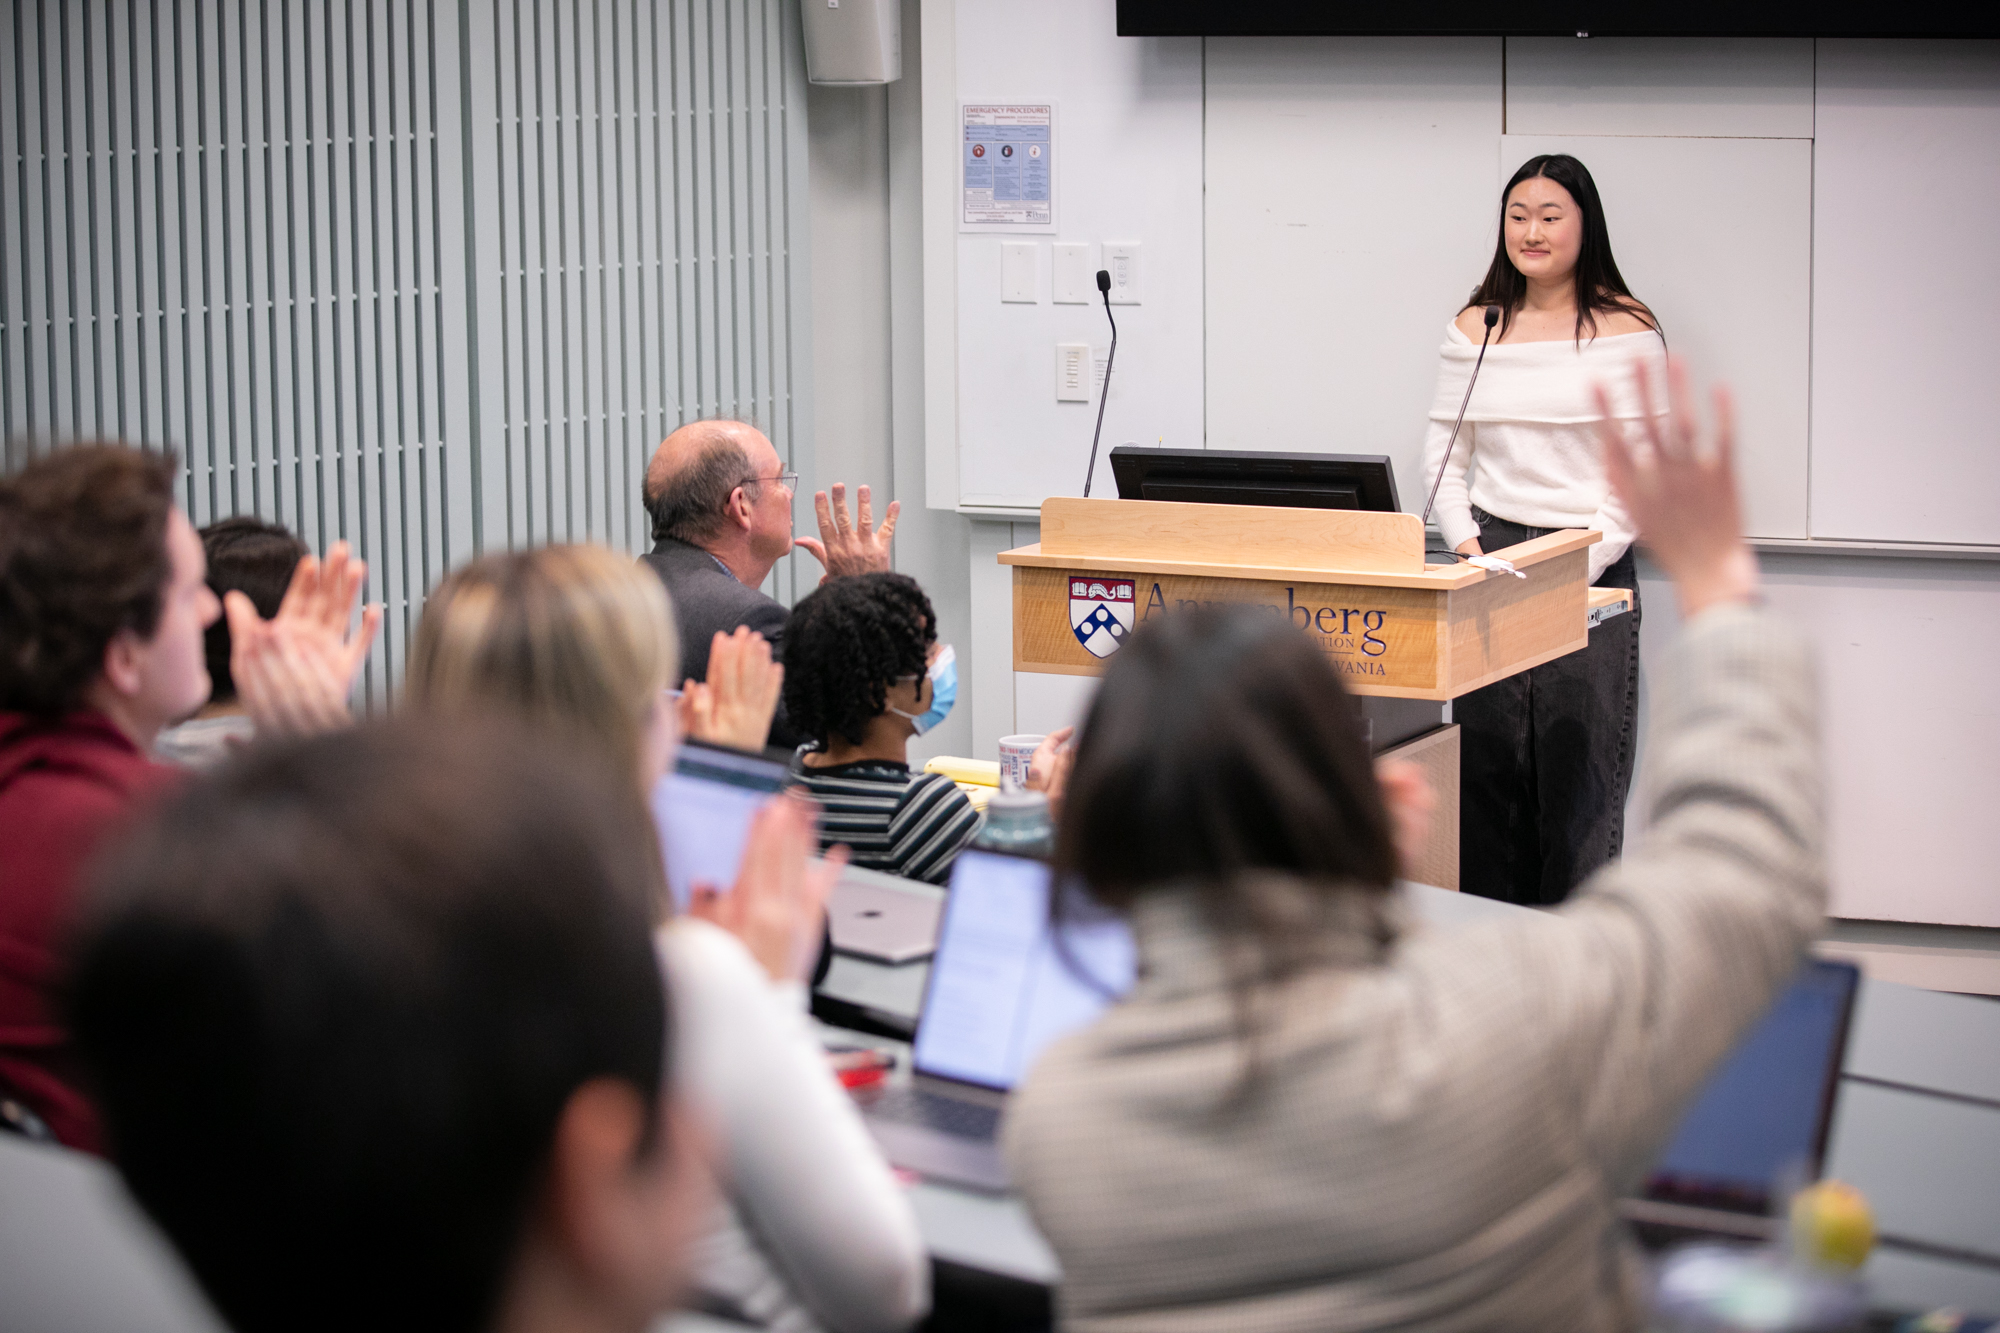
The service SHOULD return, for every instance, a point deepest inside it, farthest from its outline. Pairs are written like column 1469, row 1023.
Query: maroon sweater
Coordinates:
column 63, row 785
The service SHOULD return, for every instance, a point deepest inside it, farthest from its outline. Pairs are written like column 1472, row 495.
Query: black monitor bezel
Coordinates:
column 1133, row 465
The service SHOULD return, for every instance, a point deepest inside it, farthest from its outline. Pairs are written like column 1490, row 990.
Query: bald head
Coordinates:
column 695, row 469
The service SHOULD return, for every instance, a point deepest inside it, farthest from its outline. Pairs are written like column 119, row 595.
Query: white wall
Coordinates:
column 868, row 348
column 1128, row 169
column 1905, row 647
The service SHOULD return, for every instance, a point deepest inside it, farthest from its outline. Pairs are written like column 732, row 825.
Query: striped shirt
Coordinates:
column 891, row 821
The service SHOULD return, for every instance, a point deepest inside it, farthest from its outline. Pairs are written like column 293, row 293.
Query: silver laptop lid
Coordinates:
column 1002, row 987
column 878, row 916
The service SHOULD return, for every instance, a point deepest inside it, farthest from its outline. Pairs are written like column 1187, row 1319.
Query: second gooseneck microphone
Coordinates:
column 1492, row 318
column 1104, row 393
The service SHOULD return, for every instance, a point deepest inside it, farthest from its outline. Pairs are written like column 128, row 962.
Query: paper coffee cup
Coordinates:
column 1015, row 752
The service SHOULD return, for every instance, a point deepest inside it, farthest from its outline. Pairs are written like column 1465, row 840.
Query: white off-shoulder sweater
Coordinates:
column 1530, row 435
column 811, row 1231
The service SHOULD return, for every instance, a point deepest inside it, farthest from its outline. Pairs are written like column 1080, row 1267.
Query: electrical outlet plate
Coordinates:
column 1123, row 262
column 1020, row 272
column 1075, row 281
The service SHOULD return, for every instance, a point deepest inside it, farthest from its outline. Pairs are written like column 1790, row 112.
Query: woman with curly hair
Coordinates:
column 864, row 672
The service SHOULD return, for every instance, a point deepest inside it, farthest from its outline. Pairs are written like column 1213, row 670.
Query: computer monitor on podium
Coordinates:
column 1247, row 477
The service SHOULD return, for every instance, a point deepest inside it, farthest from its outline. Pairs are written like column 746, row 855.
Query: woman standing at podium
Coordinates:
column 1546, row 755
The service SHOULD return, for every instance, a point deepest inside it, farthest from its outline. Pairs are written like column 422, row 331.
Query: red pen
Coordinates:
column 860, row 1068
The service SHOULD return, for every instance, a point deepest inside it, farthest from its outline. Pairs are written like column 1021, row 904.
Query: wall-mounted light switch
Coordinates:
column 1123, row 263
column 1075, row 282
column 1072, row 372
column 1020, row 271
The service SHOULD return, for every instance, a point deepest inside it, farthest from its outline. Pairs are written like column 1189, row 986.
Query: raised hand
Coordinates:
column 295, row 671
column 850, row 545
column 1681, row 493
column 779, row 904
column 734, row 705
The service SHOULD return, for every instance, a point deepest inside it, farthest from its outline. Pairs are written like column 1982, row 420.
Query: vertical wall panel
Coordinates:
column 426, row 276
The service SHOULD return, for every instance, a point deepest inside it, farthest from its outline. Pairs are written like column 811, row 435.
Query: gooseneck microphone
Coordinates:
column 1492, row 318
column 1104, row 394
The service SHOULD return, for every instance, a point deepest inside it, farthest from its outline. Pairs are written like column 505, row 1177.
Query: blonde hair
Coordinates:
column 580, row 639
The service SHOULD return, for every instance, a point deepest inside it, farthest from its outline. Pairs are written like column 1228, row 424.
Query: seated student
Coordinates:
column 1306, row 1114
column 864, row 672
column 257, row 559
column 813, row 1231
column 102, row 611
column 378, row 1036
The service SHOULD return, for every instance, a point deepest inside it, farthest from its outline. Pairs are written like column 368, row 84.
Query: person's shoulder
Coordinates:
column 699, row 583
column 1471, row 322
column 77, row 760
column 935, row 787
column 680, row 562
column 1628, row 315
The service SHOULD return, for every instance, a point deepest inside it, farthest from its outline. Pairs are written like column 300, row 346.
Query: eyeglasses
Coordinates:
column 787, row 479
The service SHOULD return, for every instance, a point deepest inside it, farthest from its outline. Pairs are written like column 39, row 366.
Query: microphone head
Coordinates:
column 1492, row 315
column 1104, row 280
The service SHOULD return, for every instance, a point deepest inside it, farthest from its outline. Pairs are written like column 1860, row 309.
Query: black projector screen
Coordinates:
column 1552, row 18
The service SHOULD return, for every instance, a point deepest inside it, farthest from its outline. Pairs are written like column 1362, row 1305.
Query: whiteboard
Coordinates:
column 1715, row 234
column 1349, row 210
column 1663, row 87
column 1906, row 399
column 1352, row 201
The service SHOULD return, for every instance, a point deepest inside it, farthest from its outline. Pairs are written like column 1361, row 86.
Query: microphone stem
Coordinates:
column 1452, row 443
column 1104, row 396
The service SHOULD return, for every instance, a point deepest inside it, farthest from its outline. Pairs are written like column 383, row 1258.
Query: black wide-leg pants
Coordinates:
column 1546, row 755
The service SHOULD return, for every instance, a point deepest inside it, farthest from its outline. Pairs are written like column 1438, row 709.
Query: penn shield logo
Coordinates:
column 1101, row 612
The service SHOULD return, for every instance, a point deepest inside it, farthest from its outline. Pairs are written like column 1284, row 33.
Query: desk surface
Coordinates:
column 1916, row 1127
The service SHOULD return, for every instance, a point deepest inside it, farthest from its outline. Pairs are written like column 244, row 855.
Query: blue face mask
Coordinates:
column 944, row 692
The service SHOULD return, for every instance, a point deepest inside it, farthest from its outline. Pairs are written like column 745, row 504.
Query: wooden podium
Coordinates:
column 1394, row 627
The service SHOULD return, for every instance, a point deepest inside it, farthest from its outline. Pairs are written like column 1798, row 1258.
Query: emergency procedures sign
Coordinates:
column 1007, row 164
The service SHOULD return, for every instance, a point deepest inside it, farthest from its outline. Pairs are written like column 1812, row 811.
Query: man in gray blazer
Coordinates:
column 721, row 505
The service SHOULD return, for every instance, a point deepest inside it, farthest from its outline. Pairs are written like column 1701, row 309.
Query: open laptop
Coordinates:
column 1759, row 1128
column 1002, row 987
column 703, row 810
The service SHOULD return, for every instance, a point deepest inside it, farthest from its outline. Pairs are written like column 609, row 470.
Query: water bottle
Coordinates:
column 1018, row 821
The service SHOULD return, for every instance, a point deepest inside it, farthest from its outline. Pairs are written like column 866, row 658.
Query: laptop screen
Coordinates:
column 703, row 810
column 1000, row 988
column 1762, row 1120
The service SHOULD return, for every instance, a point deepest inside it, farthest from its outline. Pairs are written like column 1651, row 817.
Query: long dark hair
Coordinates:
column 1223, row 752
column 1599, row 285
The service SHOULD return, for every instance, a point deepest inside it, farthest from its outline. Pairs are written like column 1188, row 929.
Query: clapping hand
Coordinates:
column 1048, row 767
column 1410, row 802
column 779, row 904
column 846, row 546
column 1682, row 496
column 295, row 670
column 734, row 705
